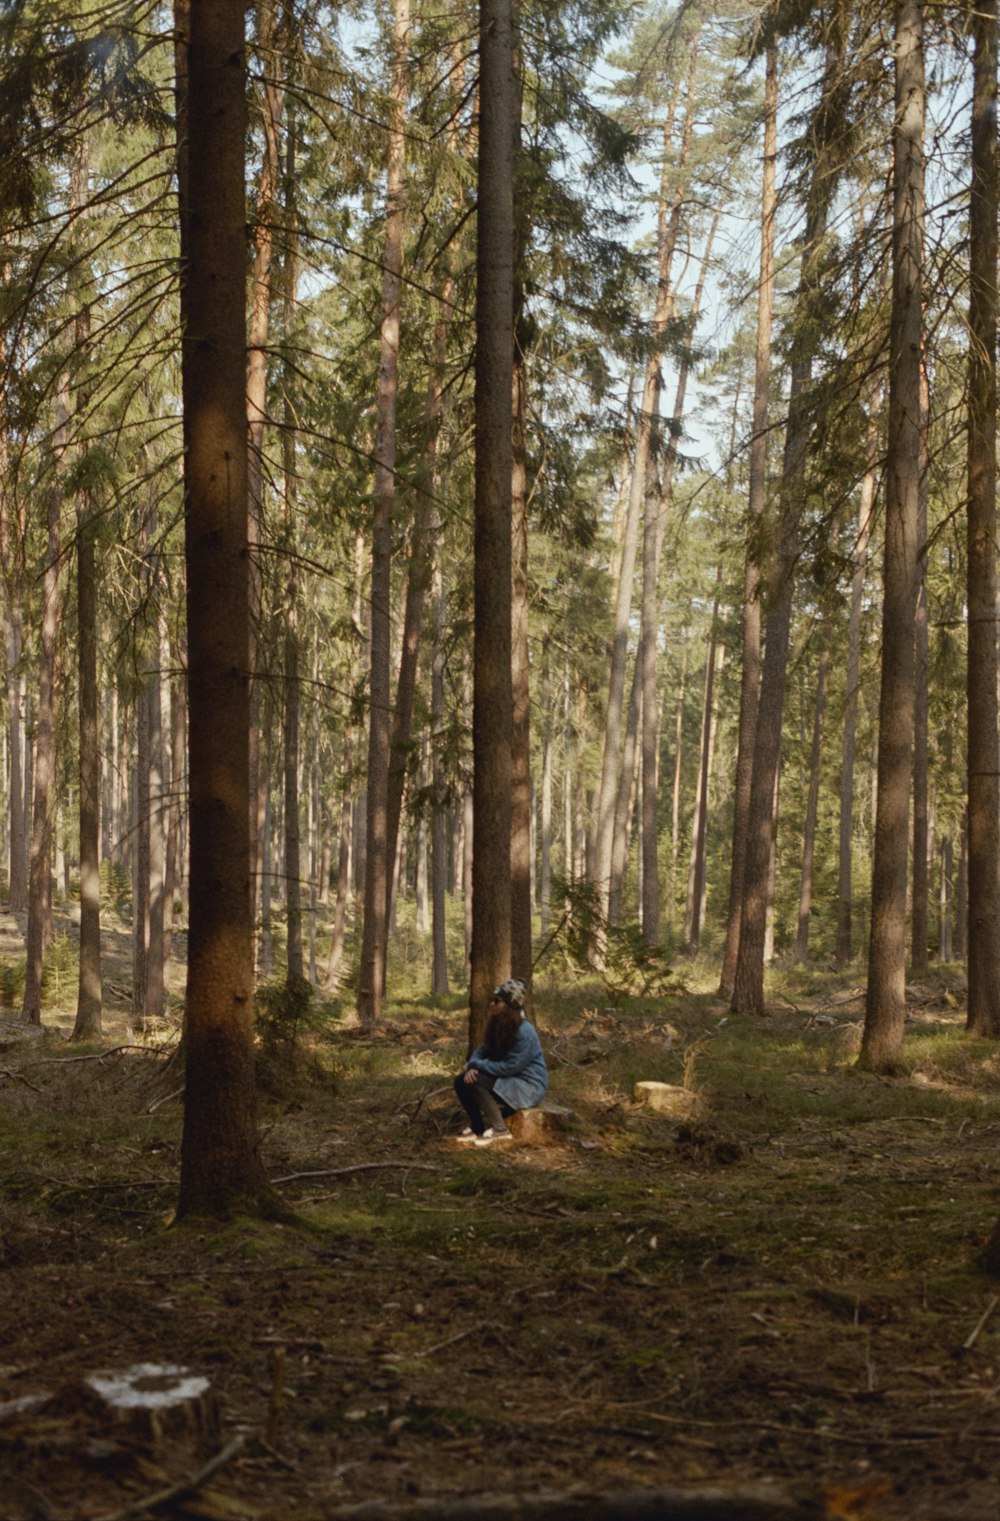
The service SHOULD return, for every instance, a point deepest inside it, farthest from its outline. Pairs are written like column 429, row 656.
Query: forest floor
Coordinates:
column 779, row 1295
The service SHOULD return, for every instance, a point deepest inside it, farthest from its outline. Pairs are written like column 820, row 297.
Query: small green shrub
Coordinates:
column 12, row 976
column 116, row 887
column 60, row 968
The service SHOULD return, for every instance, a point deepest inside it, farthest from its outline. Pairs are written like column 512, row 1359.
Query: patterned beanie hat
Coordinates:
column 512, row 993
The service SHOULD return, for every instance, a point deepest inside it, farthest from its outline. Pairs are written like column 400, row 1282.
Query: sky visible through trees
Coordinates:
column 637, row 181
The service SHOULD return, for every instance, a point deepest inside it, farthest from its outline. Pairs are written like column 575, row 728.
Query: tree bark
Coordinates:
column 812, row 810
column 439, row 805
column 292, row 688
column 371, row 976
column 39, row 868
column 270, row 46
column 221, row 1168
column 492, row 695
column 757, row 490
column 885, row 1009
column 920, row 865
column 669, row 221
column 87, row 1025
column 696, row 889
column 845, row 872
column 983, row 747
column 777, row 583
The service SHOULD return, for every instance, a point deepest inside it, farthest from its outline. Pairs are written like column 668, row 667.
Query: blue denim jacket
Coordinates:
column 521, row 1075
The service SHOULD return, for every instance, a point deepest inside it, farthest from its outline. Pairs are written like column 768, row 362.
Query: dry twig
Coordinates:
column 185, row 1487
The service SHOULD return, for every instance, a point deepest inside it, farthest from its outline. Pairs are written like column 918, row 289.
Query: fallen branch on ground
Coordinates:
column 18, row 1077
column 338, row 1172
column 185, row 1487
column 711, row 1503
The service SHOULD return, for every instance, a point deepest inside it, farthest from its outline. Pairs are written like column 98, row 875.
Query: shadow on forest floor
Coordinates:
column 782, row 1288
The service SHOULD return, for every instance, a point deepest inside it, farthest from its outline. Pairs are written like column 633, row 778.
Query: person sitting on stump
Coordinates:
column 506, row 1073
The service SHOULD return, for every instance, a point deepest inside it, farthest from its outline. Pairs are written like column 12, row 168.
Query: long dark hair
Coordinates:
column 501, row 1031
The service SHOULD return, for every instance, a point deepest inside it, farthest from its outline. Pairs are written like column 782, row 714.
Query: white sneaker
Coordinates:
column 466, row 1137
column 489, row 1136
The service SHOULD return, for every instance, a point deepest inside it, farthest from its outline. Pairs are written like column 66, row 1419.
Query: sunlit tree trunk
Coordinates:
column 220, row 1161
column 697, row 875
column 885, row 1010
column 669, row 221
column 757, row 487
column 777, row 584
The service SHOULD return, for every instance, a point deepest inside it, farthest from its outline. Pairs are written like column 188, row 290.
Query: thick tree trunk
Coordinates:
column 757, row 489
column 983, row 748
column 220, row 1160
column 371, row 975
column 492, row 698
column 885, row 1010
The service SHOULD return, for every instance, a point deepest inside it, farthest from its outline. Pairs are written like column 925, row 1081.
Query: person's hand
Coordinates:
column 471, row 1074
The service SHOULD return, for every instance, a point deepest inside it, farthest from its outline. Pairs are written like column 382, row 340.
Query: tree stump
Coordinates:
column 542, row 1123
column 665, row 1098
column 156, row 1402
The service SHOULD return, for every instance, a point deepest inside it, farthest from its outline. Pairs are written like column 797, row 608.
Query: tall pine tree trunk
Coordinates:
column 371, row 976
column 87, row 1025
column 270, row 46
column 292, row 688
column 885, row 1009
column 844, row 872
column 439, row 807
column 39, row 869
column 983, row 749
column 492, row 695
column 757, row 489
column 220, row 1160
column 668, row 225
column 778, row 581
column 812, row 810
column 697, row 875
column 920, row 864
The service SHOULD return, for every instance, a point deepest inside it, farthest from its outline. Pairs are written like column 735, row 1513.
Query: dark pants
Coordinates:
column 484, row 1109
